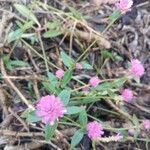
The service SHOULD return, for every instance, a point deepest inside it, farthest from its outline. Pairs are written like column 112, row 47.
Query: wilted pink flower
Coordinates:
column 50, row 108
column 124, row 5
column 59, row 73
column 146, row 124
column 85, row 90
column 131, row 131
column 79, row 66
column 127, row 95
column 137, row 68
column 95, row 130
column 94, row 81
column 118, row 137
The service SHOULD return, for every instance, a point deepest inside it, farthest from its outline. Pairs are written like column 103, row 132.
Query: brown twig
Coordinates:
column 7, row 80
column 19, row 119
column 20, row 134
column 126, row 115
column 3, row 102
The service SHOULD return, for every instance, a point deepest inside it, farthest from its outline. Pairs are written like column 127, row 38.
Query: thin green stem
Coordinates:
column 78, row 125
column 44, row 54
column 93, row 145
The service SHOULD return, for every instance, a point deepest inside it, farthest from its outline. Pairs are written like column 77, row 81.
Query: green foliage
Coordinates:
column 11, row 64
column 76, row 14
column 83, row 118
column 51, row 85
column 52, row 78
column 77, row 137
column 67, row 60
column 111, row 85
column 54, row 29
column 50, row 130
column 23, row 10
column 66, row 78
column 115, row 15
column 137, row 125
column 19, row 33
column 65, row 96
column 107, row 54
column 86, row 65
column 73, row 110
column 30, row 116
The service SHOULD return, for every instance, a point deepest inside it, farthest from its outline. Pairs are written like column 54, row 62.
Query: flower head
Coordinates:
column 131, row 131
column 137, row 68
column 118, row 137
column 50, row 108
column 85, row 90
column 94, row 81
column 127, row 95
column 146, row 124
column 94, row 130
column 124, row 5
column 59, row 73
column 79, row 66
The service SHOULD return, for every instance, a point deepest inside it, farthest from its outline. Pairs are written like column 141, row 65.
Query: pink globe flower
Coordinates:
column 127, row 95
column 124, row 5
column 95, row 130
column 94, row 81
column 137, row 68
column 59, row 73
column 79, row 66
column 50, row 108
column 146, row 124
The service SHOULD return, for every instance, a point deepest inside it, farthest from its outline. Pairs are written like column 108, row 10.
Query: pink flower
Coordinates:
column 118, row 137
column 94, row 81
column 137, row 68
column 127, row 95
column 146, row 124
column 94, row 130
column 79, row 66
column 131, row 131
column 50, row 108
column 124, row 5
column 59, row 73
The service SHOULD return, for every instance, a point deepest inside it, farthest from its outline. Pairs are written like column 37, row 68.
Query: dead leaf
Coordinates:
column 99, row 2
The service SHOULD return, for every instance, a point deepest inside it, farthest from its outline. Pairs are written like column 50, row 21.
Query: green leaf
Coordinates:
column 6, row 60
column 53, row 25
column 52, row 33
column 86, row 65
column 103, row 86
column 115, row 15
column 49, row 87
column 32, row 117
column 23, row 10
column 19, row 63
column 77, row 137
column 65, row 96
column 67, row 60
column 119, row 82
column 14, row 35
column 106, row 54
column 50, row 131
column 76, row 13
column 83, row 118
column 52, row 78
column 66, row 78
column 136, row 121
column 73, row 110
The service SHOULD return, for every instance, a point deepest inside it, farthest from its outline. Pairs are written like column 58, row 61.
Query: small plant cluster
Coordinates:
column 64, row 103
